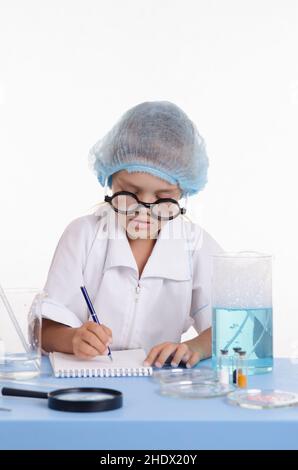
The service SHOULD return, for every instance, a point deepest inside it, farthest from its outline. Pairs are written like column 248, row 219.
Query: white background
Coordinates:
column 69, row 69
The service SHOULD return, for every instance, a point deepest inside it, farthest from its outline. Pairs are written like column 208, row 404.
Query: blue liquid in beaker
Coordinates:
column 247, row 328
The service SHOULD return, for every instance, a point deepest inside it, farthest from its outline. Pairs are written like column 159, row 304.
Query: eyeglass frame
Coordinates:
column 148, row 205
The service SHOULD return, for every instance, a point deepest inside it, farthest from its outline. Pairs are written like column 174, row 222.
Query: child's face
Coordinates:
column 148, row 188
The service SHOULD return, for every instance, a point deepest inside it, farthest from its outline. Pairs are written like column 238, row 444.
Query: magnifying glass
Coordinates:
column 74, row 399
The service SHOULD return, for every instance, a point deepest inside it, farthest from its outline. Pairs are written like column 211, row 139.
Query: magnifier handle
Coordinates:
column 17, row 392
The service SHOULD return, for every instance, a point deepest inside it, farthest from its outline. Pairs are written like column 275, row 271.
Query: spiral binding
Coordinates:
column 105, row 372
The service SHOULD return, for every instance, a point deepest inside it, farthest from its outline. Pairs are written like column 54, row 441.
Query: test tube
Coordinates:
column 234, row 367
column 224, row 372
column 242, row 370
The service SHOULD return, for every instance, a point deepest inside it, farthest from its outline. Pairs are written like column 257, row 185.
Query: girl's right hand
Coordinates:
column 90, row 340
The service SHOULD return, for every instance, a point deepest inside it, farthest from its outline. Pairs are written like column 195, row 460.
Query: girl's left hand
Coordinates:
column 179, row 352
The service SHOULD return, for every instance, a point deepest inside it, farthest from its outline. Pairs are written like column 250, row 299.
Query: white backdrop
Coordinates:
column 69, row 69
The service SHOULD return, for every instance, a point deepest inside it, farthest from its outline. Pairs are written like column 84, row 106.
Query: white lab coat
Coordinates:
column 172, row 293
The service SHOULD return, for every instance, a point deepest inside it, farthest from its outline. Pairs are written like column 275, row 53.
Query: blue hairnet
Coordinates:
column 155, row 137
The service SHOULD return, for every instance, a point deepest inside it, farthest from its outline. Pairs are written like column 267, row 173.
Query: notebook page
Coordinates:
column 127, row 362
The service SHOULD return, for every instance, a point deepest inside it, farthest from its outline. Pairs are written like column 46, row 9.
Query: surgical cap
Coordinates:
column 154, row 137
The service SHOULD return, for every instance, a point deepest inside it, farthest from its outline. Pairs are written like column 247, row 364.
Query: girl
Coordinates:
column 146, row 267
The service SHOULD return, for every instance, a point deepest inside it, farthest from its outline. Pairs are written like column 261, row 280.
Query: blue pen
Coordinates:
column 92, row 312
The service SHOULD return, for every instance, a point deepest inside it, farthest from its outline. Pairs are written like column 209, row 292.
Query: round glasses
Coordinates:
column 127, row 203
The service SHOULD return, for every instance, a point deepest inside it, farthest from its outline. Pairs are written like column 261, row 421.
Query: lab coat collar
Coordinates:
column 170, row 257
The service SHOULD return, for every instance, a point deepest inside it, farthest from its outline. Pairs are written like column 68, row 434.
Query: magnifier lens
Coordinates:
column 84, row 396
column 85, row 399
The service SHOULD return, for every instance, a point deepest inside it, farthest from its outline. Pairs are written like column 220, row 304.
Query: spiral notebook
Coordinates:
column 125, row 363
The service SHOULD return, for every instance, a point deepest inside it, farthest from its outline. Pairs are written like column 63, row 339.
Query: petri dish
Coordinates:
column 192, row 390
column 261, row 399
column 177, row 374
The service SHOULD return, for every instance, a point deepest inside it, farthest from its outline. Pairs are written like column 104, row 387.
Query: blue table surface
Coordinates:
column 149, row 420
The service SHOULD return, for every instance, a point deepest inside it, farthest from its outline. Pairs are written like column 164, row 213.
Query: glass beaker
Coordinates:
column 242, row 307
column 20, row 332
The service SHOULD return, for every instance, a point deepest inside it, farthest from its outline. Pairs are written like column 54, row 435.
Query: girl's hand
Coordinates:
column 179, row 352
column 90, row 340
